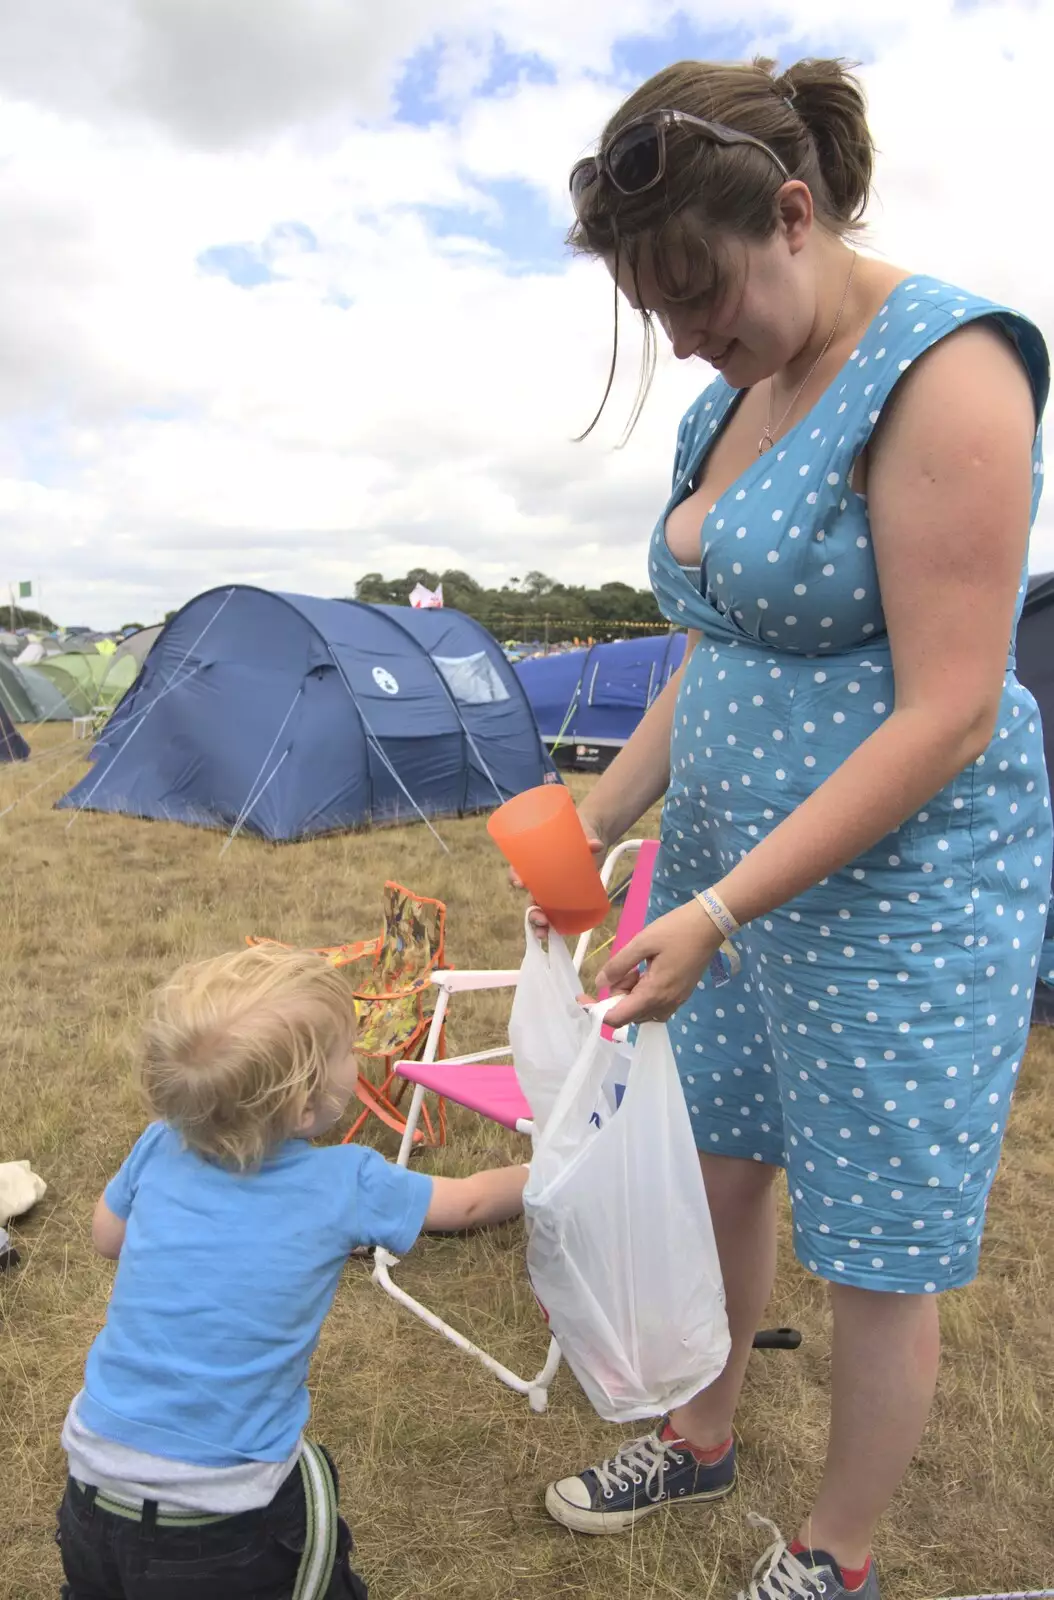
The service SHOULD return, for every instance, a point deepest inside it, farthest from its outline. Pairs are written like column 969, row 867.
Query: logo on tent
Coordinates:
column 385, row 681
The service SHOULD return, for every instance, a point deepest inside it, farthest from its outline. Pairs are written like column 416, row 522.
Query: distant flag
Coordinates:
column 25, row 589
column 423, row 599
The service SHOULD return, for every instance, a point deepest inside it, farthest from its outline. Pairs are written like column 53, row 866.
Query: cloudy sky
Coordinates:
column 283, row 294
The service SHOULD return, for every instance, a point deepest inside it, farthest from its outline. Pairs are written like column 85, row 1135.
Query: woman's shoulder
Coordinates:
column 704, row 413
column 921, row 311
column 918, row 293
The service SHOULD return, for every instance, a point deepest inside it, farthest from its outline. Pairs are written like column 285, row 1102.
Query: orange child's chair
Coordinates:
column 396, row 1000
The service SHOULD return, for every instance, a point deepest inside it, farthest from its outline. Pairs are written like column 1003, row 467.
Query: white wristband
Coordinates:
column 718, row 912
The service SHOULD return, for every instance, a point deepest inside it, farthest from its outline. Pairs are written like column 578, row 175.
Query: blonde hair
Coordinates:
column 236, row 1048
column 812, row 115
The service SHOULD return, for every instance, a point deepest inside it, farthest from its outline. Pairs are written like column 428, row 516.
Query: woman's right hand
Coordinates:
column 598, row 844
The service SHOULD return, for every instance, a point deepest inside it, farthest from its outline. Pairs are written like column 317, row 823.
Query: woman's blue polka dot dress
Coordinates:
column 872, row 1039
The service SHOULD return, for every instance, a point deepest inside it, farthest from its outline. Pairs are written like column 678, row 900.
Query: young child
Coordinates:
column 189, row 1472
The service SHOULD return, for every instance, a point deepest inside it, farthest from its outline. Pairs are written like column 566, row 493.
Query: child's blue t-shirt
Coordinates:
column 222, row 1287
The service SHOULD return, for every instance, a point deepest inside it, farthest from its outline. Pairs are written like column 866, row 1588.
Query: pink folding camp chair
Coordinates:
column 486, row 1083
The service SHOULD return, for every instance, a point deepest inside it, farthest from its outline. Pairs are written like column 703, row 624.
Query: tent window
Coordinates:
column 472, row 680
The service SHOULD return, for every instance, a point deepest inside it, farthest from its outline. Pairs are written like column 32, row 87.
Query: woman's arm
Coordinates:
column 949, row 499
column 640, row 773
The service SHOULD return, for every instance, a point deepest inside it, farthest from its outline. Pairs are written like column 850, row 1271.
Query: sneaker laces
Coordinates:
column 779, row 1575
column 645, row 1460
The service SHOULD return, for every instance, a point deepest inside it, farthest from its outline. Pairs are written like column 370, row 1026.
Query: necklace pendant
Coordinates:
column 765, row 442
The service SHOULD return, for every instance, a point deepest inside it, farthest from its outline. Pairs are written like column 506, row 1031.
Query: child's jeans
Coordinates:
column 254, row 1555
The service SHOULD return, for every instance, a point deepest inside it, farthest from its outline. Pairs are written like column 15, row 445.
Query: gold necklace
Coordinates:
column 767, row 440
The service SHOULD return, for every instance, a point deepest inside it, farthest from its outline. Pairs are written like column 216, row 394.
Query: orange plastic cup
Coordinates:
column 540, row 836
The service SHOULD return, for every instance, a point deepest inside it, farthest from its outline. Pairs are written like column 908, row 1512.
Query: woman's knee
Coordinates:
column 734, row 1184
column 850, row 1303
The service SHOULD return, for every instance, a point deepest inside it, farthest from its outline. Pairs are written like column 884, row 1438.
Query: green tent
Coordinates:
column 89, row 681
column 48, row 701
column 28, row 695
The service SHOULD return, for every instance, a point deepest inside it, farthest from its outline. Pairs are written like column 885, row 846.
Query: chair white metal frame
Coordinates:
column 449, row 983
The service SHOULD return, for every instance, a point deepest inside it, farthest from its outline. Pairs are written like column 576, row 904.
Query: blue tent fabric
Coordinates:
column 598, row 696
column 552, row 684
column 12, row 745
column 291, row 716
column 1035, row 668
column 493, row 709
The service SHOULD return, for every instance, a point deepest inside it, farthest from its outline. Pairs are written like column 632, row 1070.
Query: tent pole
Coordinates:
column 240, row 821
column 252, row 796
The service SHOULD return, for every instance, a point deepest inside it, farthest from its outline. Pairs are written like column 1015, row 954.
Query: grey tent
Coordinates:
column 138, row 644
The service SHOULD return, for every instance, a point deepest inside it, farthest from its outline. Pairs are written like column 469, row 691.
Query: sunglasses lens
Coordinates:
column 634, row 159
column 583, row 176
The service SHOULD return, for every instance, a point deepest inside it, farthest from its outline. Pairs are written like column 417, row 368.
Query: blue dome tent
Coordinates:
column 290, row 716
column 552, row 684
column 12, row 745
column 588, row 702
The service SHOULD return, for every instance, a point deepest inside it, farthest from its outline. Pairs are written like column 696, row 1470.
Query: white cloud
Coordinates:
column 224, row 72
column 395, row 396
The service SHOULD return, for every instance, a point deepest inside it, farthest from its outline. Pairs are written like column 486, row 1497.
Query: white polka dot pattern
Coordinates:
column 872, row 1040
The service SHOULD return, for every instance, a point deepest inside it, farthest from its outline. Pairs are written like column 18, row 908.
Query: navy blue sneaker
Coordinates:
column 645, row 1475
column 807, row 1575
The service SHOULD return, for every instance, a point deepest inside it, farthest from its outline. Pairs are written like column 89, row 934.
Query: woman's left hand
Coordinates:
column 677, row 950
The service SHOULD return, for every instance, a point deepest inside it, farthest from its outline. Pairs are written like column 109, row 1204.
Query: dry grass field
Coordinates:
column 443, row 1471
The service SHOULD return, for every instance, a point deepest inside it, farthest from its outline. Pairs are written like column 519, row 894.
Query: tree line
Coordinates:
column 528, row 608
column 18, row 617
column 524, row 609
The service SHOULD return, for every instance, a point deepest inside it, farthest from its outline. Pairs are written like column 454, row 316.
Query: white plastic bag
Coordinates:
column 620, row 1246
column 548, row 1027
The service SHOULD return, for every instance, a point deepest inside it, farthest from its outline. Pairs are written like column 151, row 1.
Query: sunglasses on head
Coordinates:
column 635, row 159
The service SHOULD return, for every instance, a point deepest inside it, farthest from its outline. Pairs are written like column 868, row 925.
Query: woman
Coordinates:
column 853, row 775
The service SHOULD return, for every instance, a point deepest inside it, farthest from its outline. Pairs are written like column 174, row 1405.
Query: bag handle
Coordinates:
column 600, row 1008
column 652, row 1061
column 556, row 953
column 587, row 1072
